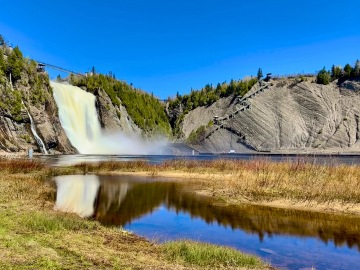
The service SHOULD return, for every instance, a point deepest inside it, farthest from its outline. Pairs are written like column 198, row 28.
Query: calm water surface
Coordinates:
column 163, row 210
column 61, row 160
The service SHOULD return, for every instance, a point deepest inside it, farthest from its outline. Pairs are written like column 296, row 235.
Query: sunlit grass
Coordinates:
column 257, row 179
column 210, row 256
column 32, row 235
column 20, row 165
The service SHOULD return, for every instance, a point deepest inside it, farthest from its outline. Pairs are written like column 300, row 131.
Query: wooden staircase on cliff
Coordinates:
column 241, row 106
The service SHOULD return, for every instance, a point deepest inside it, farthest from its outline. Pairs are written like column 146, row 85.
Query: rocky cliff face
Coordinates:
column 15, row 130
column 114, row 118
column 285, row 115
column 49, row 128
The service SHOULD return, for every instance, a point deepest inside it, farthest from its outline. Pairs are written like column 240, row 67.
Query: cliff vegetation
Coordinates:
column 25, row 89
column 144, row 109
column 204, row 97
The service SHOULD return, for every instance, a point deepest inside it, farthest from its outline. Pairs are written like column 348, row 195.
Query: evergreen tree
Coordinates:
column 347, row 70
column 2, row 40
column 323, row 77
column 15, row 64
column 356, row 70
column 2, row 61
column 336, row 72
column 259, row 74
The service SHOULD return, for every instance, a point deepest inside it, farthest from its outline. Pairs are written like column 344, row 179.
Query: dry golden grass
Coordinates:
column 20, row 165
column 255, row 180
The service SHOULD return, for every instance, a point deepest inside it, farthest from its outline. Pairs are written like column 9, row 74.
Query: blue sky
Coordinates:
column 168, row 46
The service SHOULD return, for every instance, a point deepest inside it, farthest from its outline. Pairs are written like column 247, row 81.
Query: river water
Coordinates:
column 162, row 210
column 61, row 160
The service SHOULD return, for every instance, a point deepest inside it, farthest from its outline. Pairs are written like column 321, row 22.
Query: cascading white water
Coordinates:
column 79, row 119
column 78, row 116
column 37, row 137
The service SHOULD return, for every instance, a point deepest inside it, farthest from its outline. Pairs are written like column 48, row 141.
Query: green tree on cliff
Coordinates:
column 356, row 70
column 348, row 70
column 2, row 40
column 2, row 62
column 15, row 64
column 336, row 72
column 323, row 77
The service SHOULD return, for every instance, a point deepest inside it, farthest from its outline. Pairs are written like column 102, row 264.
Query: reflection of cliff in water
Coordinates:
column 121, row 199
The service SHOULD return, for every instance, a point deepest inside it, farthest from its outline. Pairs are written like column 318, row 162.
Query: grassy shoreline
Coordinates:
column 295, row 185
column 34, row 236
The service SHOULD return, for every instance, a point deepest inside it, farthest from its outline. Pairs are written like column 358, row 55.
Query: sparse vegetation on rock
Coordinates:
column 205, row 97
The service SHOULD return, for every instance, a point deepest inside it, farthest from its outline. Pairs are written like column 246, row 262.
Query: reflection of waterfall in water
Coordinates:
column 79, row 119
column 77, row 194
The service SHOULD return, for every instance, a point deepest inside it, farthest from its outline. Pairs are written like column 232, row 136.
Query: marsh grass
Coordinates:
column 210, row 256
column 257, row 179
column 20, row 165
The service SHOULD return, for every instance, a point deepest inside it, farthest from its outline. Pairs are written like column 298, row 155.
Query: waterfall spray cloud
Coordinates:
column 79, row 119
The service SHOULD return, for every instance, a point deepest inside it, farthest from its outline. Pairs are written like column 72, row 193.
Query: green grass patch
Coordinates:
column 41, row 222
column 207, row 255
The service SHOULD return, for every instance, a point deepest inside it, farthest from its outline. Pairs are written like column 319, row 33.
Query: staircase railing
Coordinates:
column 241, row 106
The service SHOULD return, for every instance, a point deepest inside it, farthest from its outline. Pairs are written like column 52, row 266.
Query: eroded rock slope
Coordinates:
column 286, row 115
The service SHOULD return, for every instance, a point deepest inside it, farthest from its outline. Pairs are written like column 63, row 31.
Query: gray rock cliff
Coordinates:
column 114, row 118
column 15, row 131
column 285, row 116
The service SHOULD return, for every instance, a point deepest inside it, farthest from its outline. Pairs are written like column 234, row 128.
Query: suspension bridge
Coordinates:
column 41, row 68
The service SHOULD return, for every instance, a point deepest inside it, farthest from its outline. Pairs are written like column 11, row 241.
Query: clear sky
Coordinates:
column 165, row 46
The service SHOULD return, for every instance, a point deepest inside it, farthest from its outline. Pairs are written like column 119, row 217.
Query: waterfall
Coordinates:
column 37, row 137
column 79, row 119
column 78, row 116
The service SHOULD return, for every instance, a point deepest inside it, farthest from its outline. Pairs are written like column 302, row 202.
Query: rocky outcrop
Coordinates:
column 49, row 128
column 15, row 128
column 114, row 118
column 16, row 136
column 288, row 115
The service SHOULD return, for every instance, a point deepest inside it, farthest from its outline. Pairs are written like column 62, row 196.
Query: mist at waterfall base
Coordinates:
column 79, row 119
